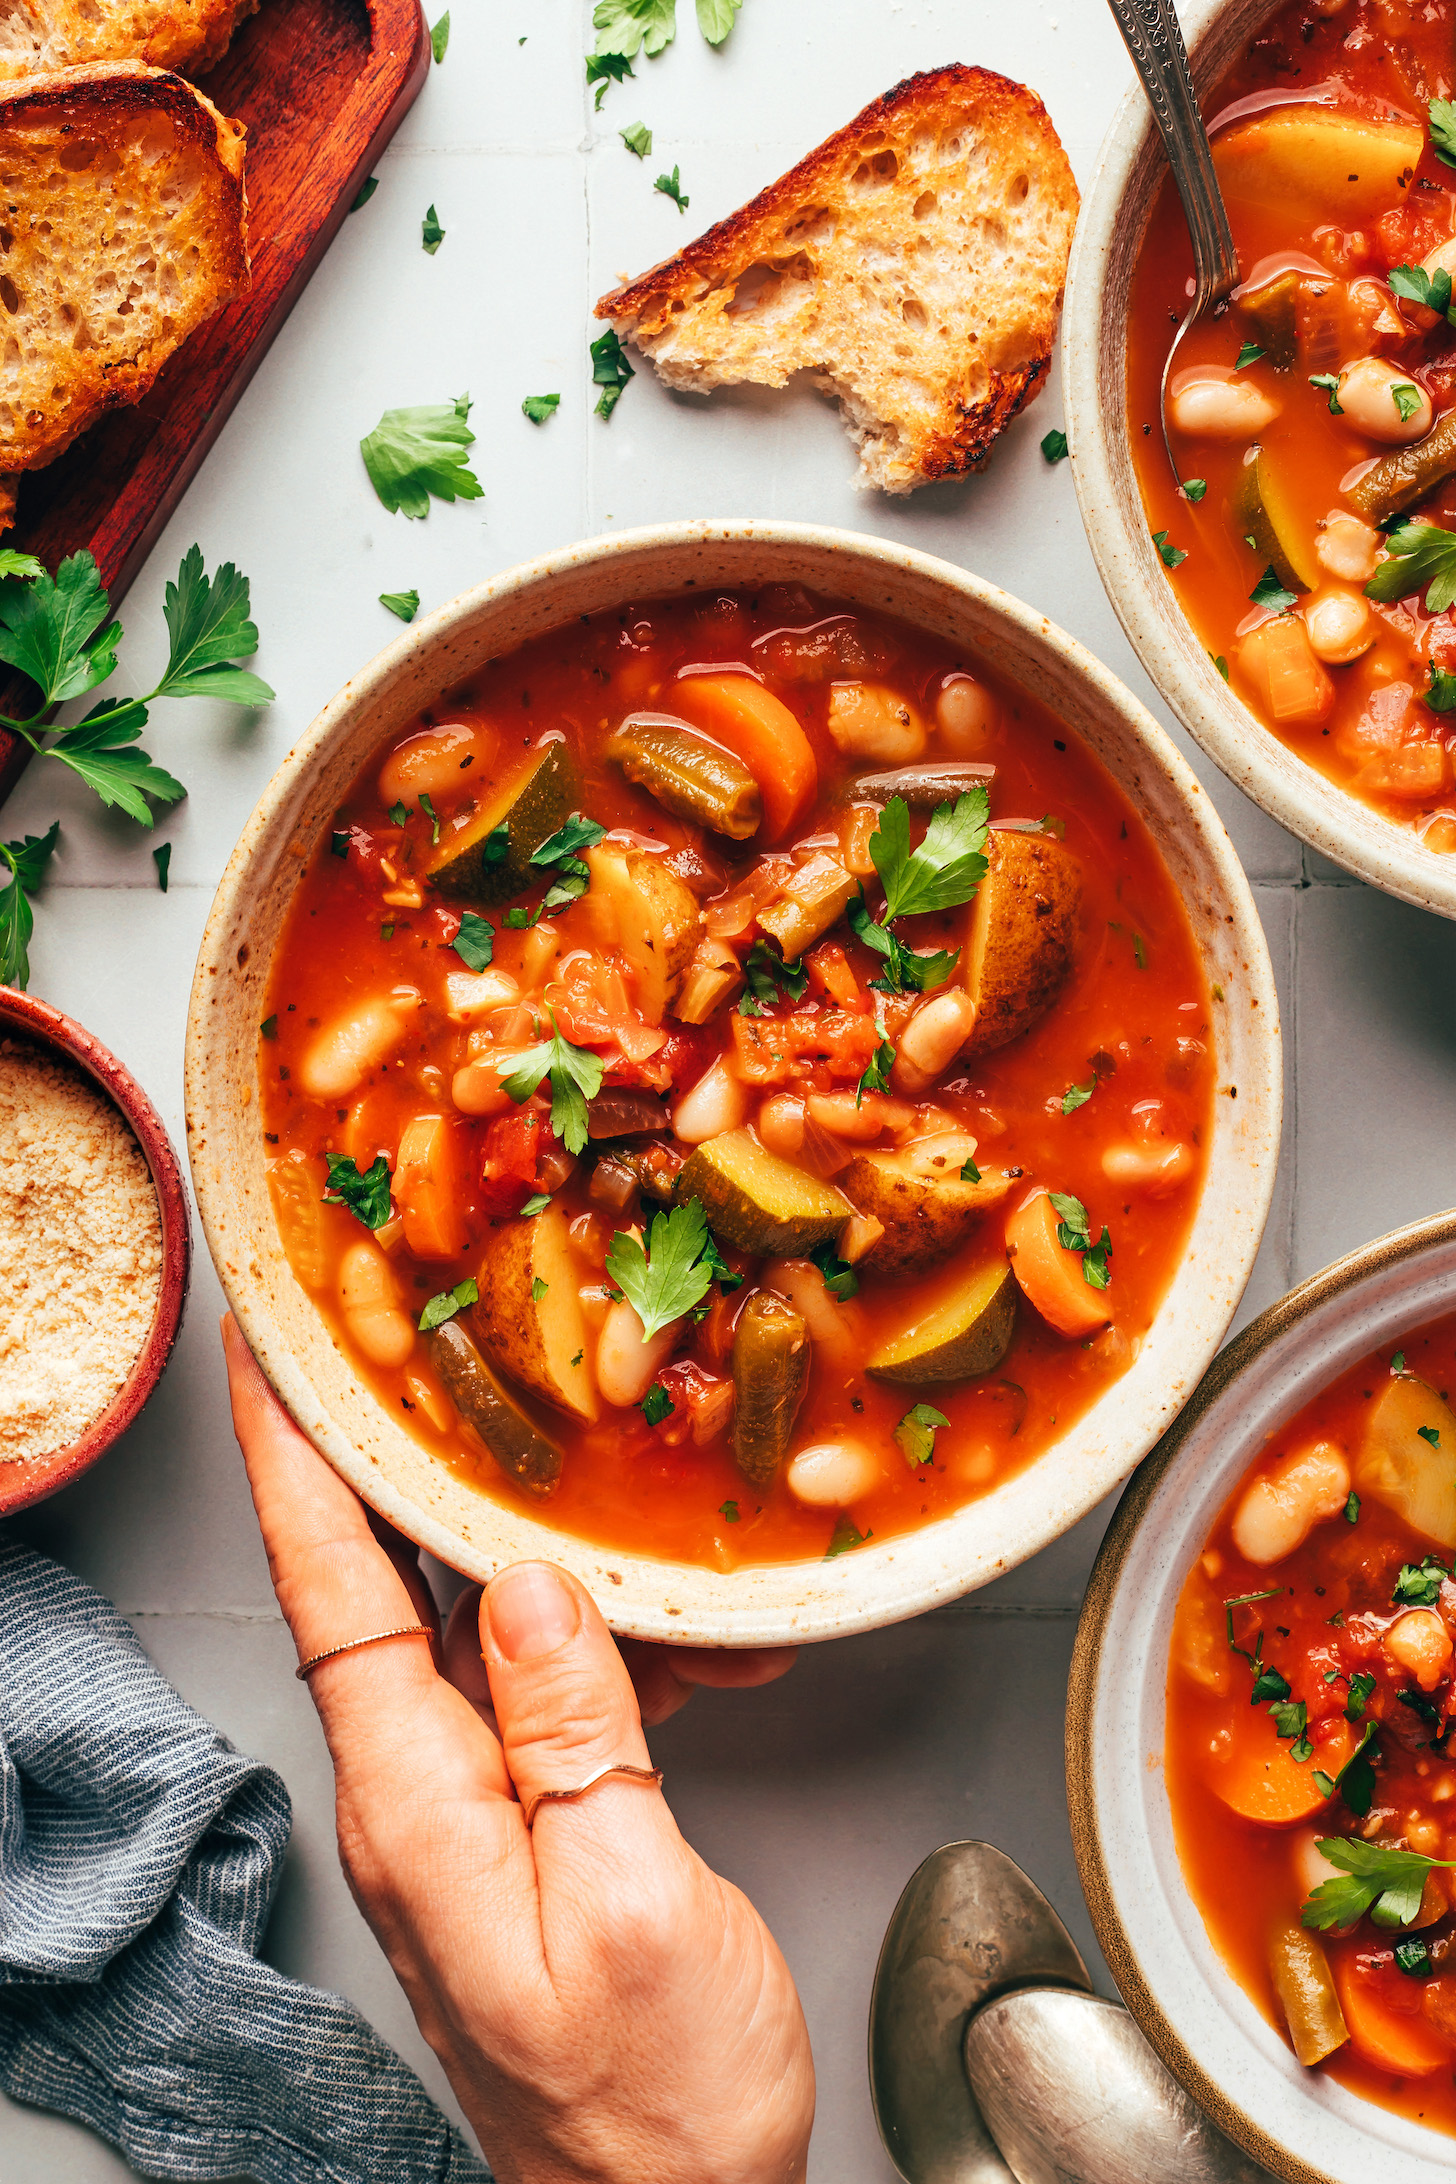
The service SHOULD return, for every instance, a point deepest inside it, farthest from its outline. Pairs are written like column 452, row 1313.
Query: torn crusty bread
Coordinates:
column 913, row 263
column 39, row 36
column 122, row 228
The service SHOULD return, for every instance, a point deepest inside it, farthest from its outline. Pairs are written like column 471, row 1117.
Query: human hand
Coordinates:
column 606, row 2008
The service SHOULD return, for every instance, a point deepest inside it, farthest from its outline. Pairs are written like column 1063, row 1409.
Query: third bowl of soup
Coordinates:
column 738, row 1058
column 1288, row 578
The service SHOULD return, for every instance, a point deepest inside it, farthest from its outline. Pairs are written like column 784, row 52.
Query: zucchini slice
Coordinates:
column 964, row 1335
column 757, row 1202
column 469, row 867
column 518, row 1446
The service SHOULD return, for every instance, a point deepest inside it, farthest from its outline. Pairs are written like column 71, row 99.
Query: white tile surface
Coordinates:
column 820, row 1796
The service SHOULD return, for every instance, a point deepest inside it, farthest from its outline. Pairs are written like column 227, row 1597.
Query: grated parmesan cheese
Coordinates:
column 80, row 1252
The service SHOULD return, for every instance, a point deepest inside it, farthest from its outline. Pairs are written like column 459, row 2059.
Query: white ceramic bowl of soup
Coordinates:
column 1115, row 212
column 478, row 1533
column 1302, row 2126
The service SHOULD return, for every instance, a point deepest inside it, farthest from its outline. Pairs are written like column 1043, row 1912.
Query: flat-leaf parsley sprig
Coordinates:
column 1074, row 1233
column 630, row 27
column 673, row 1274
column 1386, row 1883
column 575, row 1076
column 26, row 861
column 941, row 873
column 414, row 453
column 1420, row 557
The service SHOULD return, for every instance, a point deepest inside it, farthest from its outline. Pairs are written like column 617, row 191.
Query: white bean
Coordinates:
column 1367, row 395
column 837, row 1329
column 441, row 763
column 477, row 1087
column 347, row 1049
column 369, row 1299
column 1340, row 624
column 1347, row 548
column 1152, row 1168
column 836, row 1111
column 833, row 1475
column 1420, row 1644
column 932, row 1039
column 627, row 1360
column 1211, row 404
column 1279, row 1511
column 781, row 1124
column 717, row 1102
column 966, row 715
column 870, row 722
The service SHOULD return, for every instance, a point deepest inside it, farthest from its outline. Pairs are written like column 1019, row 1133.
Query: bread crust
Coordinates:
column 37, row 37
column 925, row 391
column 100, row 282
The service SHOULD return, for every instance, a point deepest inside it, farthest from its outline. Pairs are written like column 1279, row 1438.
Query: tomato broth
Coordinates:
column 715, row 984
column 1327, row 1576
column 1313, row 418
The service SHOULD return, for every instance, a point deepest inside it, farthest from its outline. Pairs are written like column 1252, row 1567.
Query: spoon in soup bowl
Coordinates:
column 1151, row 34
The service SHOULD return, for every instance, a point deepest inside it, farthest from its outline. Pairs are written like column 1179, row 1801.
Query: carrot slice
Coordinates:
column 1050, row 1278
column 761, row 730
column 1385, row 2037
column 429, row 1187
column 1261, row 1782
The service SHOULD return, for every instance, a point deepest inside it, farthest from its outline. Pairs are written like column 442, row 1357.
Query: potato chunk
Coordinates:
column 1317, row 161
column 642, row 908
column 922, row 1202
column 1020, row 936
column 529, row 1319
column 1397, row 1464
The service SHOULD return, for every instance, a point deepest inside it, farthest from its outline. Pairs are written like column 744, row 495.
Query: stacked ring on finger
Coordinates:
column 375, row 1637
column 599, row 1774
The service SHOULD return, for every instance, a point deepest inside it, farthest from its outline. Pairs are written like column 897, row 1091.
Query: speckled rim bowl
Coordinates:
column 1115, row 212
column 23, row 1016
column 478, row 1533
column 1302, row 2126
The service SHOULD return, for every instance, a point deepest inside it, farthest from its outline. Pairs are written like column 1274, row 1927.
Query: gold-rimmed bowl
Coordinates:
column 1302, row 2126
column 476, row 1531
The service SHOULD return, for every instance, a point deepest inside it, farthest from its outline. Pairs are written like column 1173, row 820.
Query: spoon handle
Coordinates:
column 1151, row 34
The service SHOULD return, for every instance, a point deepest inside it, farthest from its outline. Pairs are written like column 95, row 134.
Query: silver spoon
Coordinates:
column 968, row 1926
column 1151, row 34
column 1075, row 2095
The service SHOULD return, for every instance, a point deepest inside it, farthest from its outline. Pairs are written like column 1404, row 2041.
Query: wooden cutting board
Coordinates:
column 322, row 85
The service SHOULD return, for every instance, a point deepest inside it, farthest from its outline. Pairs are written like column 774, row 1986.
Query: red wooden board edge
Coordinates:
column 322, row 88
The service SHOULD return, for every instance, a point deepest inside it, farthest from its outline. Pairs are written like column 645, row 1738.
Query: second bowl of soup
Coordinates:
column 1288, row 578
column 759, row 1080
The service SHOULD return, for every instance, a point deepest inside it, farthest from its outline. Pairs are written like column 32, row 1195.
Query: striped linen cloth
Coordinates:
column 139, row 1854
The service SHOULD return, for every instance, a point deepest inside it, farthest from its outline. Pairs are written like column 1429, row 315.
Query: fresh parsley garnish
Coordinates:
column 1249, row 354
column 1194, row 488
column 915, row 1434
column 475, row 941
column 1431, row 1434
column 1352, row 1507
column 1172, row 556
column 1419, row 1586
column 537, row 1203
column 657, row 1404
column 1270, row 592
column 718, row 1266
column 413, row 453
column 26, row 861
column 637, row 138
column 1413, row 1957
column 558, row 853
column 1397, row 1363
column 605, row 69
column 1443, row 130
column 671, row 186
column 366, row 1195
column 539, row 1288
column 715, row 18
column 1416, row 285
column 1407, row 399
column 970, row 1173
column 1441, row 697
column 431, row 232
column 877, row 1075
column 269, row 1027
column 671, row 1276
column 440, row 37
column 575, row 1075
column 448, row 1303
column 1362, row 1683
column 947, row 867
column 1329, row 383
column 1356, row 1779
column 729, row 1509
column 1077, row 1095
column 406, row 604
column 1074, row 1233
column 906, row 971
column 1054, row 447
column 1220, row 663
column 845, row 1536
column 840, row 1278
column 1421, row 556
column 162, row 858
column 538, row 407
column 366, row 191
column 427, row 807
column 632, row 26
column 399, row 813
column 610, row 370
column 768, row 975
column 1386, row 1883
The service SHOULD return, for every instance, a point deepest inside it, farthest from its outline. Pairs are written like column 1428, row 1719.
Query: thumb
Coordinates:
column 563, row 1699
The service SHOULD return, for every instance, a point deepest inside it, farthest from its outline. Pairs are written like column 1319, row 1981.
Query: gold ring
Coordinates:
column 565, row 1797
column 404, row 1630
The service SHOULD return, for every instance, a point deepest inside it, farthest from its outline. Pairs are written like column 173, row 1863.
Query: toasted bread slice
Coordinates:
column 39, row 36
column 122, row 227
column 913, row 263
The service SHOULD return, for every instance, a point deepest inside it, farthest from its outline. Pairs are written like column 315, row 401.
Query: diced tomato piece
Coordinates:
column 830, row 974
column 774, row 1049
column 686, row 1054
column 508, row 1160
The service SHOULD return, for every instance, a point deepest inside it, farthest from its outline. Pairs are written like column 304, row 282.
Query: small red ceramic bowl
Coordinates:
column 24, row 1017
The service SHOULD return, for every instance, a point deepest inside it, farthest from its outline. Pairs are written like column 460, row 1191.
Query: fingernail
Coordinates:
column 532, row 1611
